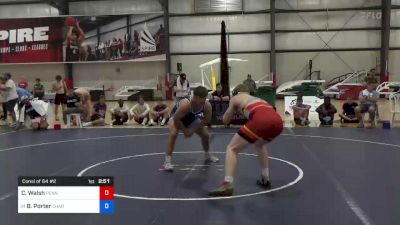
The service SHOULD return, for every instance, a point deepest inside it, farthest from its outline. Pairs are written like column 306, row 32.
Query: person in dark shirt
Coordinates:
column 301, row 112
column 136, row 43
column 159, row 114
column 251, row 84
column 326, row 112
column 218, row 94
column 73, row 100
column 349, row 115
column 38, row 90
column 159, row 38
column 90, row 55
column 99, row 113
column 127, row 43
column 74, row 104
column 120, row 46
column 120, row 113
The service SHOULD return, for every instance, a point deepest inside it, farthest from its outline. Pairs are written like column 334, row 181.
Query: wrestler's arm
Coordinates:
column 233, row 105
column 81, row 33
column 69, row 34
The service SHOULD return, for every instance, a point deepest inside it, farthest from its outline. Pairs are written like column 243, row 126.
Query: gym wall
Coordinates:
column 30, row 72
column 256, row 65
column 247, row 39
column 117, row 74
column 195, row 39
column 394, row 55
column 300, row 36
column 115, row 7
column 87, row 74
column 27, row 10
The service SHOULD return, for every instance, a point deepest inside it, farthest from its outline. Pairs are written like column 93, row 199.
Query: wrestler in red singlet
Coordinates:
column 264, row 124
column 263, row 121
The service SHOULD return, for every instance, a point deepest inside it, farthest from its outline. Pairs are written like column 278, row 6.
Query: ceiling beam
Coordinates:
column 21, row 2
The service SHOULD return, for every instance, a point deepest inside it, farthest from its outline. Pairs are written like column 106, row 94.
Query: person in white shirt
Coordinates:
column 8, row 86
column 140, row 112
column 181, row 87
column 119, row 114
column 368, row 98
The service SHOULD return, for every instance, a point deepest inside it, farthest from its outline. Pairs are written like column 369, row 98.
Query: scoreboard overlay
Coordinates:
column 66, row 195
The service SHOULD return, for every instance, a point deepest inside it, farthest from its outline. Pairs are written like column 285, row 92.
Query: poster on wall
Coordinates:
column 82, row 39
column 31, row 40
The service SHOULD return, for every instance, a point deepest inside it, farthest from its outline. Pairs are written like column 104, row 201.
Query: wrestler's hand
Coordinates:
column 226, row 122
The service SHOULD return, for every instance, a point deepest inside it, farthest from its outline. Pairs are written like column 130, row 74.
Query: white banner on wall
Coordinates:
column 313, row 101
column 147, row 42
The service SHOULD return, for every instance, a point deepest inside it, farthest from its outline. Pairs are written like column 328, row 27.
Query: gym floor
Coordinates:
column 319, row 176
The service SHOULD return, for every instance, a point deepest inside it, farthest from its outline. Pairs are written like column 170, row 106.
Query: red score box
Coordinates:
column 106, row 193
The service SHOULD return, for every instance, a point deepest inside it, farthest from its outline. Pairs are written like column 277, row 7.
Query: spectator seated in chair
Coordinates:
column 326, row 112
column 140, row 112
column 86, row 102
column 218, row 94
column 159, row 115
column 119, row 114
column 349, row 114
column 301, row 112
column 99, row 113
column 74, row 104
column 368, row 103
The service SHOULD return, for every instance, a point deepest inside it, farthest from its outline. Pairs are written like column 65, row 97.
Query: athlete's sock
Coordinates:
column 163, row 121
column 228, row 179
column 265, row 173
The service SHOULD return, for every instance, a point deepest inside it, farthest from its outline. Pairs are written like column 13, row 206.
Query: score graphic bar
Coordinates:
column 65, row 195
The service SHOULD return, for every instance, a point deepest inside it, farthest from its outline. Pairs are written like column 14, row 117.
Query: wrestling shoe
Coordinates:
column 168, row 166
column 264, row 182
column 226, row 189
column 211, row 158
column 163, row 122
column 13, row 125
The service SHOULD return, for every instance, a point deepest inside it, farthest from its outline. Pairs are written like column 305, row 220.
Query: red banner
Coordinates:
column 31, row 40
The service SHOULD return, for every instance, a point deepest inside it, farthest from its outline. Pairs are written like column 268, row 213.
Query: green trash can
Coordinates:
column 267, row 93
